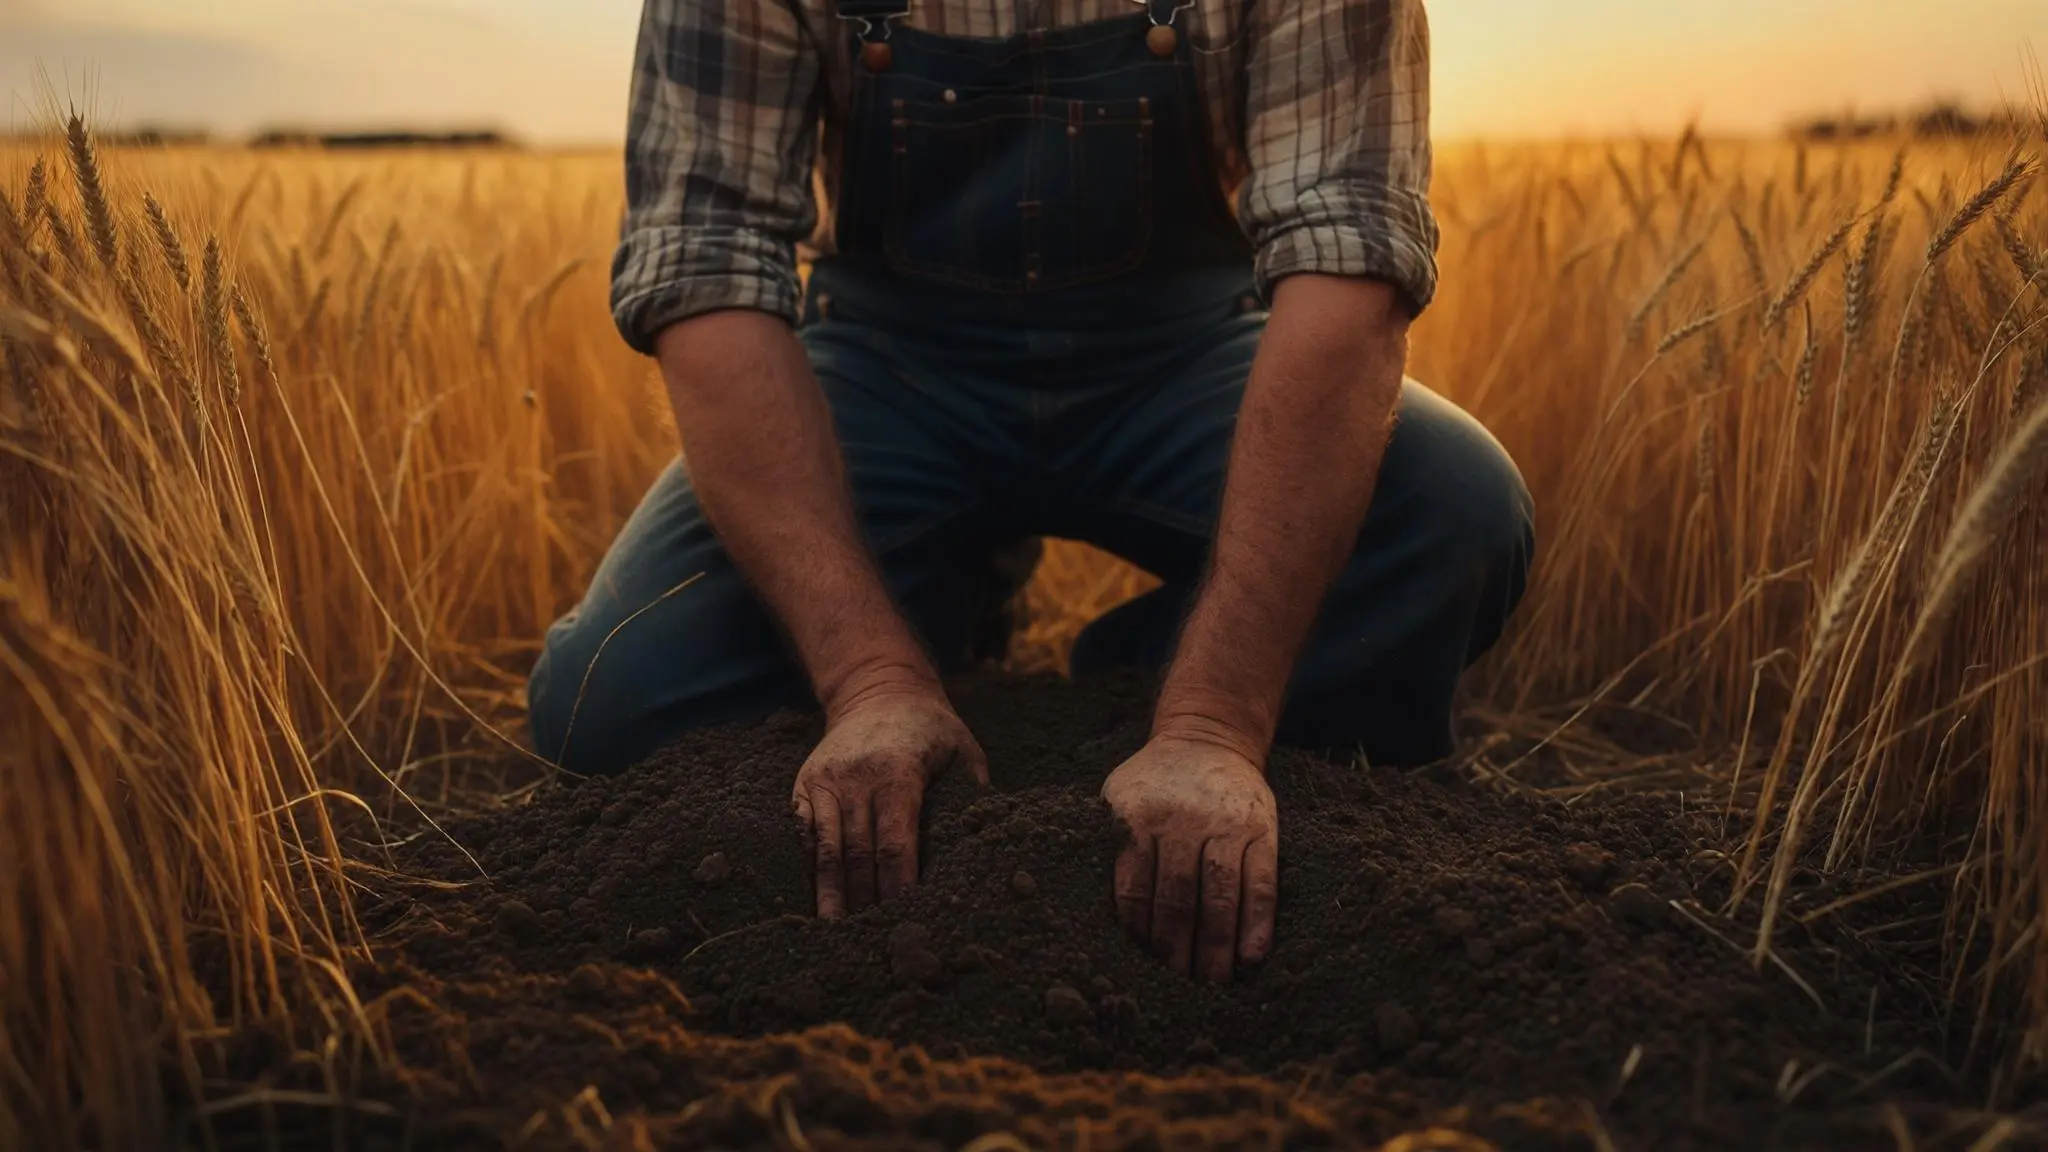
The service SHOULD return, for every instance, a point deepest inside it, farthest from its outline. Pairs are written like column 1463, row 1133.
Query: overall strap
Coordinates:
column 873, row 16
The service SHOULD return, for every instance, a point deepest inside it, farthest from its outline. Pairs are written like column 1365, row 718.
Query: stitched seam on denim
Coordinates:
column 898, row 255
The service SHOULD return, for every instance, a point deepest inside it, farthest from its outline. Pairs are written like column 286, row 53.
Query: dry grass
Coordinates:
column 299, row 455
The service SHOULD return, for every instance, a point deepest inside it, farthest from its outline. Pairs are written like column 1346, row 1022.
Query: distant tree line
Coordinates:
column 165, row 136
column 287, row 138
column 1940, row 119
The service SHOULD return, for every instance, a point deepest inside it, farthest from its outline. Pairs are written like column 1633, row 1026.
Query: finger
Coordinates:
column 1261, row 899
column 1134, row 886
column 825, row 856
column 1216, row 934
column 1176, row 888
column 975, row 761
column 896, row 812
column 857, row 828
column 807, row 831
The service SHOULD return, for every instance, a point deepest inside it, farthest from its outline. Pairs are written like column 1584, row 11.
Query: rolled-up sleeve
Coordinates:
column 720, row 139
column 1337, row 142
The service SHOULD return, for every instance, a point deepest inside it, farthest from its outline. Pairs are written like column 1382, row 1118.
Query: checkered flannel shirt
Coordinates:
column 1319, row 111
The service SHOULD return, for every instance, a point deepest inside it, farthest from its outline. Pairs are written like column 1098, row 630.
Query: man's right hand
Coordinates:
column 859, row 793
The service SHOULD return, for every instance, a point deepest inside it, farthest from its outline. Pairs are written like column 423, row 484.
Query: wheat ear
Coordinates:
column 1892, row 179
column 1752, row 252
column 254, row 332
column 33, row 195
column 1809, row 354
column 1795, row 289
column 1664, row 284
column 170, row 365
column 1976, row 206
column 1850, row 586
column 62, row 236
column 214, row 312
column 2024, row 259
column 92, row 192
column 1859, row 282
column 167, row 240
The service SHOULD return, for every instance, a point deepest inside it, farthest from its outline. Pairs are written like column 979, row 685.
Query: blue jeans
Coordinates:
column 959, row 441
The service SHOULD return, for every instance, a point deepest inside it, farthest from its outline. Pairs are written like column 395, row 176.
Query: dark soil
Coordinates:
column 1534, row 971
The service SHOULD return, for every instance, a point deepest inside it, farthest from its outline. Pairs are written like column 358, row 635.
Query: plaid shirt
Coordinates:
column 1319, row 111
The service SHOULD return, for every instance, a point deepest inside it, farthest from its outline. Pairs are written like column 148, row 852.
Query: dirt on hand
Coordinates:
column 1443, row 949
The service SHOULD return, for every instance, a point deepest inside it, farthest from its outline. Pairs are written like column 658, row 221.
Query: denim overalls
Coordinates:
column 1038, row 321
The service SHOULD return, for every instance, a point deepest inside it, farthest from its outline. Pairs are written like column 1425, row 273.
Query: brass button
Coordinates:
column 1161, row 38
column 875, row 55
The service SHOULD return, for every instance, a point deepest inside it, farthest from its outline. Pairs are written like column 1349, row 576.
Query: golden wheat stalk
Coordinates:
column 61, row 235
column 1848, row 591
column 2011, row 480
column 1892, row 180
column 1973, row 209
column 34, row 193
column 255, row 333
column 167, row 242
column 2027, row 383
column 1859, row 282
column 2025, row 259
column 1657, row 292
column 1809, row 354
column 92, row 192
column 1752, row 252
column 1795, row 289
column 12, row 231
column 1687, row 331
column 214, row 314
column 168, row 360
column 372, row 293
column 13, row 262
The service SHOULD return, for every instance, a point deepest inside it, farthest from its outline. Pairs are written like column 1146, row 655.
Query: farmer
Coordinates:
column 1037, row 314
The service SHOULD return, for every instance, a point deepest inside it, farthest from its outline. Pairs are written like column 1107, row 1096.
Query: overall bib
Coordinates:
column 1038, row 320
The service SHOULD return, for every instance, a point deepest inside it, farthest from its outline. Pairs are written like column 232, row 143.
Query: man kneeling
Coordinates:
column 1038, row 314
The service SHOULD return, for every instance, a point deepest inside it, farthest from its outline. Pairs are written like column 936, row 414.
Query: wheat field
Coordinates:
column 301, row 452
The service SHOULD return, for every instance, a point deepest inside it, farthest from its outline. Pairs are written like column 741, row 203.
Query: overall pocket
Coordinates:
column 1018, row 193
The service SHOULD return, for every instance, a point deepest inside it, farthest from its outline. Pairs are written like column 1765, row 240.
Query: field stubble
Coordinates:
column 299, row 455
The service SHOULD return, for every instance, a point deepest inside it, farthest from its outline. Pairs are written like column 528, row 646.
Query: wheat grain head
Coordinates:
column 167, row 242
column 92, row 191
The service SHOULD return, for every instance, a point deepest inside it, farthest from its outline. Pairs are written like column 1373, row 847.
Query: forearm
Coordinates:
column 1310, row 436
column 765, row 461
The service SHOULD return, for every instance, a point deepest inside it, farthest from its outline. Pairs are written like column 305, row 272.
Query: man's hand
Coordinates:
column 1200, row 877
column 859, row 793
column 765, row 458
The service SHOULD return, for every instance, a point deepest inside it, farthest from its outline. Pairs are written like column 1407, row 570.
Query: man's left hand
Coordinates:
column 1200, row 877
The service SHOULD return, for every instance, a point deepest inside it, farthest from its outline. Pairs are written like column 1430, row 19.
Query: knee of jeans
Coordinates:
column 1485, row 514
column 583, row 716
column 551, row 689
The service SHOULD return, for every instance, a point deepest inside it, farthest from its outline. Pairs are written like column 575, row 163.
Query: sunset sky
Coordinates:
column 554, row 71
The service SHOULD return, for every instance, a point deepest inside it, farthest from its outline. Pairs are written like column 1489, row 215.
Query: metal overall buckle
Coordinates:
column 874, row 18
column 1160, row 38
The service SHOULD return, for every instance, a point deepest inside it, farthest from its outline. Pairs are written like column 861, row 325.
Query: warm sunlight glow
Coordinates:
column 555, row 70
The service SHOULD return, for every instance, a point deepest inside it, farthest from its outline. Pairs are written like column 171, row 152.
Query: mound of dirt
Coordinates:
column 1443, row 949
